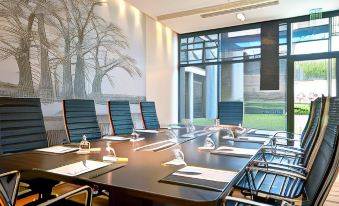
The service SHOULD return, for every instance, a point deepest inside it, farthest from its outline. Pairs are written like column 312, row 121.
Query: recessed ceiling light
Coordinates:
column 241, row 16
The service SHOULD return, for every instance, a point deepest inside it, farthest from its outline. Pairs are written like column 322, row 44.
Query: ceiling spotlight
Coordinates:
column 241, row 16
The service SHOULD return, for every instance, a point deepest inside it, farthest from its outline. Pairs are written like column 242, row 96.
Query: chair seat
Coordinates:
column 270, row 157
column 272, row 184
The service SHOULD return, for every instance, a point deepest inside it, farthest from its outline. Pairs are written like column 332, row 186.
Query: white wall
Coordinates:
column 162, row 70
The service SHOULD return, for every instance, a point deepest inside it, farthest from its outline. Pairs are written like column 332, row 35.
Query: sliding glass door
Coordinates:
column 312, row 78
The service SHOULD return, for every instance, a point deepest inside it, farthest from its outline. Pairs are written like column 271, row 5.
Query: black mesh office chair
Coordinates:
column 9, row 183
column 80, row 119
column 231, row 113
column 23, row 129
column 299, row 156
column 66, row 199
column 315, row 188
column 120, row 117
column 149, row 115
column 22, row 125
column 288, row 185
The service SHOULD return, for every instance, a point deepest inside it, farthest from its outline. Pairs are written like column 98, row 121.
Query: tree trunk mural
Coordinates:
column 97, row 82
column 62, row 41
column 79, row 79
column 45, row 85
column 25, row 70
column 22, row 58
column 67, row 81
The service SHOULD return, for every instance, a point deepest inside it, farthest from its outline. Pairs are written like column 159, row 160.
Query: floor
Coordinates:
column 333, row 196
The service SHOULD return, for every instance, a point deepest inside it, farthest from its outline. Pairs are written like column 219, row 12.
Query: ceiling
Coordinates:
column 186, row 24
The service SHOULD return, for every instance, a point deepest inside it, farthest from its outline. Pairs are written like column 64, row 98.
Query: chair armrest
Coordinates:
column 278, row 172
column 283, row 149
column 245, row 201
column 279, row 166
column 85, row 189
column 284, row 132
column 282, row 153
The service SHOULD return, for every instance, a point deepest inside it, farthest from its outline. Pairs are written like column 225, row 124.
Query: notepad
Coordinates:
column 156, row 146
column 196, row 134
column 57, row 149
column 255, row 139
column 264, row 132
column 116, row 138
column 206, row 174
column 147, row 131
column 174, row 162
column 204, row 178
column 79, row 168
column 235, row 151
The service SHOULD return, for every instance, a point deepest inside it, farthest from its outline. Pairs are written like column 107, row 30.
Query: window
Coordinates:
column 199, row 49
column 335, row 33
column 225, row 66
column 240, row 45
column 310, row 36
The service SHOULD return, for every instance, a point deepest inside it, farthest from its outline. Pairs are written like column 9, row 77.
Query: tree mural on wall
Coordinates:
column 46, row 35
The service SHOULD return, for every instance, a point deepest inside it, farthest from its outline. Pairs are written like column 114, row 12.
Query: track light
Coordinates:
column 241, row 16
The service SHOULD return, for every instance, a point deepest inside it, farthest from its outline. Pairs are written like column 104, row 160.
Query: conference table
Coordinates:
column 138, row 182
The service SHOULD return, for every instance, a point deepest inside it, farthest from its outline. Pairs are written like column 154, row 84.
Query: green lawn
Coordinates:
column 260, row 121
column 264, row 121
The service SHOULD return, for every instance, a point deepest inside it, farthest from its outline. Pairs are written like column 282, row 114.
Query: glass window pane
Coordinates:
column 335, row 43
column 198, row 92
column 264, row 109
column 195, row 46
column 211, row 54
column 310, row 47
column 312, row 78
column 335, row 33
column 283, row 39
column 310, row 36
column 195, row 56
column 183, row 57
column 240, row 44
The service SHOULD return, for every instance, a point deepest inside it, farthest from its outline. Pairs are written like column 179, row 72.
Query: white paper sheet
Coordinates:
column 156, row 146
column 255, row 139
column 137, row 139
column 147, row 131
column 116, row 138
column 265, row 132
column 79, row 168
column 208, row 148
column 235, row 151
column 206, row 174
column 175, row 162
column 174, row 127
column 196, row 134
column 58, row 149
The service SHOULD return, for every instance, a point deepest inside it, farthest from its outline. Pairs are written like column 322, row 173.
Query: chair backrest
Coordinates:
column 312, row 137
column 325, row 159
column 231, row 113
column 80, row 119
column 9, row 185
column 308, row 123
column 120, row 117
column 149, row 115
column 22, row 125
column 313, row 121
column 66, row 199
column 311, row 152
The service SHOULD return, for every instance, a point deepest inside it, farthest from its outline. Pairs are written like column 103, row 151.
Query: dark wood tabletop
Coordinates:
column 140, row 177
